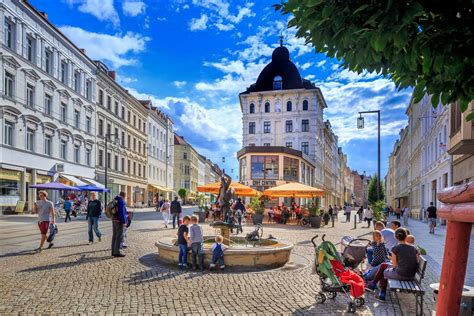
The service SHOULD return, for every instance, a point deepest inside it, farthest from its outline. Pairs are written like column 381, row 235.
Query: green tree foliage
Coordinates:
column 372, row 190
column 182, row 194
column 423, row 44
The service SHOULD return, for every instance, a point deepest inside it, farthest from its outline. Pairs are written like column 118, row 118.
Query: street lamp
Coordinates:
column 360, row 125
column 107, row 136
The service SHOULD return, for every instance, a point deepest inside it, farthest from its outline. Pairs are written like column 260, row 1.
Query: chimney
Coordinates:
column 111, row 74
column 83, row 51
column 44, row 14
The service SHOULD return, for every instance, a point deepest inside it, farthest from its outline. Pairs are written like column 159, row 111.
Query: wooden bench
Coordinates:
column 414, row 287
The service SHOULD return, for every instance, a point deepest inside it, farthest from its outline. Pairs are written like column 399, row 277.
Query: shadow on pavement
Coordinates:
column 62, row 265
column 18, row 254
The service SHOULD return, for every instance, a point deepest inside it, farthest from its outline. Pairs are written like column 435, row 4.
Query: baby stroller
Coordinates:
column 335, row 278
column 353, row 251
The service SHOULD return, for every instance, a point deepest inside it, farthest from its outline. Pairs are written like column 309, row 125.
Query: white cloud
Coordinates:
column 199, row 24
column 321, row 63
column 224, row 27
column 115, row 49
column 347, row 75
column 179, row 84
column 219, row 16
column 124, row 79
column 304, row 66
column 133, row 7
column 243, row 12
column 103, row 10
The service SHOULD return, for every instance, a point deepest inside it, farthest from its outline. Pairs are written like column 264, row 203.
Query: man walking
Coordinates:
column 94, row 209
column 406, row 214
column 118, row 220
column 347, row 212
column 45, row 210
column 431, row 213
column 176, row 210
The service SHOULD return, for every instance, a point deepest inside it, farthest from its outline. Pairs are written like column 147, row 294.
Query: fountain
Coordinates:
column 252, row 251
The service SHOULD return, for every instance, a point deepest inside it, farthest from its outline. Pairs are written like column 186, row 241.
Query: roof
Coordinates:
column 282, row 66
column 179, row 140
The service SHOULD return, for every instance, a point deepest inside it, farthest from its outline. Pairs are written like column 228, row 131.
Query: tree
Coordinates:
column 372, row 190
column 182, row 194
column 423, row 44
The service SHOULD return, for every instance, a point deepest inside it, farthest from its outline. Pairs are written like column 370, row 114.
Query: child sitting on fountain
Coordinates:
column 218, row 253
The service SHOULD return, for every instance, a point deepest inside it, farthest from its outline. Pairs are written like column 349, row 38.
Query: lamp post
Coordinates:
column 107, row 161
column 360, row 125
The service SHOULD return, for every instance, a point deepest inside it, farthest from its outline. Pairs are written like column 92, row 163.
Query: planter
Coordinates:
column 201, row 216
column 315, row 221
column 257, row 219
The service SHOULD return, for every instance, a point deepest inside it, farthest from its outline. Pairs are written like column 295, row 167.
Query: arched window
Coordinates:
column 277, row 83
column 267, row 107
column 305, row 105
column 289, row 106
column 252, row 108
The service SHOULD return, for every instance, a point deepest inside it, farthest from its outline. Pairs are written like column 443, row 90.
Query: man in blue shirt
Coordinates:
column 119, row 219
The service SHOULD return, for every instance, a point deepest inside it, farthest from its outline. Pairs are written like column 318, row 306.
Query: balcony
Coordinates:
column 461, row 139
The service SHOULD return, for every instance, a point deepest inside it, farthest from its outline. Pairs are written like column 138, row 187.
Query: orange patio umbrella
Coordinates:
column 295, row 190
column 239, row 189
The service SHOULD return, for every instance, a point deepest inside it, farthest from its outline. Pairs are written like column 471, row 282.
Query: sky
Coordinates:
column 192, row 58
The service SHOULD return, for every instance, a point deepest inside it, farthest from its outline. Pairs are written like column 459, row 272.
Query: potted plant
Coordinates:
column 201, row 212
column 315, row 216
column 377, row 208
column 258, row 209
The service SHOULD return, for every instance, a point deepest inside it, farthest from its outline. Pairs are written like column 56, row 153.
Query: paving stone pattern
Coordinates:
column 76, row 278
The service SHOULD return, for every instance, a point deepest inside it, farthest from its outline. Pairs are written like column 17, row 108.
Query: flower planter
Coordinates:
column 315, row 221
column 257, row 219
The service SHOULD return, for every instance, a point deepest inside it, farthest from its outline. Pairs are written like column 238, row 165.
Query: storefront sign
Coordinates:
column 20, row 206
column 264, row 183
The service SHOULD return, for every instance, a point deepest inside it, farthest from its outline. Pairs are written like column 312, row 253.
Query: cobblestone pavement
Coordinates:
column 74, row 277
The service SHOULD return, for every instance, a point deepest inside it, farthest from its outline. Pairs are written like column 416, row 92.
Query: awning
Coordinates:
column 94, row 182
column 73, row 179
column 159, row 187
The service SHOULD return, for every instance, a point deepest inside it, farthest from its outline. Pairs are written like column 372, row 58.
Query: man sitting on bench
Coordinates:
column 403, row 267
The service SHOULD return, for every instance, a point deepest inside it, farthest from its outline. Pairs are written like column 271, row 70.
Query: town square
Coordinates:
column 227, row 157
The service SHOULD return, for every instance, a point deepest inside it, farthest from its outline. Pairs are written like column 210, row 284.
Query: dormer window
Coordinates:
column 252, row 108
column 277, row 83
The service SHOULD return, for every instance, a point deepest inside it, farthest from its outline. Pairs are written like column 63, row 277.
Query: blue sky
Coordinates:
column 193, row 57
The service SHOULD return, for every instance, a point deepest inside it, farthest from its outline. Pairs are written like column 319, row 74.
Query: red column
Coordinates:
column 453, row 271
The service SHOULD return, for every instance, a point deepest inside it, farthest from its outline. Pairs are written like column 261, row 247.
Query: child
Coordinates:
column 183, row 240
column 196, row 239
column 376, row 256
column 410, row 240
column 125, row 229
column 238, row 215
column 218, row 253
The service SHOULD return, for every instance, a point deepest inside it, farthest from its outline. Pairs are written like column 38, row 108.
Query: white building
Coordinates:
column 160, row 153
column 47, row 105
column 202, row 165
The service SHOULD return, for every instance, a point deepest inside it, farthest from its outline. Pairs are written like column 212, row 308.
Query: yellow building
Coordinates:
column 186, row 167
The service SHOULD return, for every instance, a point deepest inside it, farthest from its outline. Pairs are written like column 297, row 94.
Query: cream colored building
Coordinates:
column 186, row 167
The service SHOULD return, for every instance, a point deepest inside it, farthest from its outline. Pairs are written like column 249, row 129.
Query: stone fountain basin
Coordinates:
column 269, row 254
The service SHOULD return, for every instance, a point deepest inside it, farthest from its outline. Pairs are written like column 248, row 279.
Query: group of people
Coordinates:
column 190, row 236
column 284, row 214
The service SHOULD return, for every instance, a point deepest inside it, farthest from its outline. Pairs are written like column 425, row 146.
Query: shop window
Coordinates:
column 264, row 167
column 290, row 169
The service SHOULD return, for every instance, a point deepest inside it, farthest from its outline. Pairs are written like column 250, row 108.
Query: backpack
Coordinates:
column 111, row 209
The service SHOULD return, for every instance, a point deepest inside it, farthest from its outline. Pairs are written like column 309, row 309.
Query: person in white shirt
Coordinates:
column 165, row 211
column 406, row 214
column 369, row 214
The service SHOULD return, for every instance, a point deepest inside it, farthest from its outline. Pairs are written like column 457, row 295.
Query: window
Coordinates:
column 290, row 169
column 251, row 127
column 123, row 139
column 139, row 170
column 186, row 169
column 123, row 113
column 129, row 164
column 30, row 48
column 267, row 107
column 30, row 139
column 88, row 124
column 77, row 81
column 144, row 148
column 264, row 167
column 64, row 112
column 63, row 71
column 88, row 157
column 101, row 127
column 185, row 156
column 116, row 110
column 251, row 145
column 116, row 132
column 109, row 130
column 305, row 148
column 101, row 97
column 122, row 165
column 9, row 34
column 48, row 102
column 134, row 144
column 128, row 119
column 456, row 118
column 48, row 141
column 134, row 121
column 109, row 102
column 63, row 150
column 77, row 119
column 77, row 153
column 88, row 89
column 305, row 105
column 139, row 123
column 144, row 127
column 289, row 126
column 9, row 82
column 277, row 83
column 9, row 127
column 129, row 142
column 266, row 127
column 289, row 106
column 108, row 162
column 48, row 61
column 134, row 168
column 305, row 125
column 266, row 144
column 30, row 96
column 116, row 162
column 101, row 157
column 289, row 144
column 252, row 108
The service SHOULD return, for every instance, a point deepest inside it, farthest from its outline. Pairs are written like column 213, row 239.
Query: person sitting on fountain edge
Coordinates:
column 218, row 253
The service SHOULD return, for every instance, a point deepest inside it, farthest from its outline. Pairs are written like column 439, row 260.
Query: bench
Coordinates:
column 413, row 287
